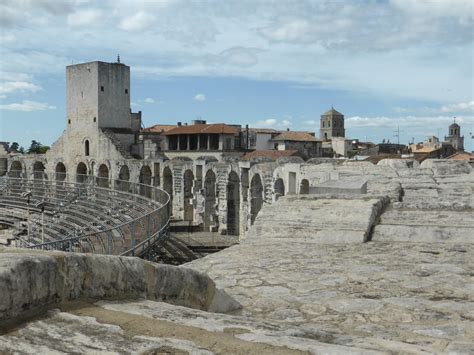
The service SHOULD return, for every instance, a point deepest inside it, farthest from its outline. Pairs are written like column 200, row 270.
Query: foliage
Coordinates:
column 37, row 147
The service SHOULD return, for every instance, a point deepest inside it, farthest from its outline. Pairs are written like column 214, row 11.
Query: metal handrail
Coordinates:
column 152, row 223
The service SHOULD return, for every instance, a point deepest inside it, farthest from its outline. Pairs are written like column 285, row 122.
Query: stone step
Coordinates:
column 422, row 233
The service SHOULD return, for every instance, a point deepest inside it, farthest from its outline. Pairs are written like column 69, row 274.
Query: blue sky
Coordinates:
column 279, row 64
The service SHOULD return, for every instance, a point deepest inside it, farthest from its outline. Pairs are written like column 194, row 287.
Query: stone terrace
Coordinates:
column 306, row 281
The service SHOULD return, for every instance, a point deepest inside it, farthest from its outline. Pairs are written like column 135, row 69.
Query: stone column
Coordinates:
column 187, row 142
column 208, row 141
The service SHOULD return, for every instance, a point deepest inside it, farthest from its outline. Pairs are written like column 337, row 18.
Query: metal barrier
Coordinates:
column 92, row 214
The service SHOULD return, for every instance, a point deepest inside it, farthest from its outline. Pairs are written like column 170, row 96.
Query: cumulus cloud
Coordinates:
column 273, row 123
column 27, row 106
column 137, row 22
column 149, row 100
column 407, row 122
column 200, row 97
column 459, row 107
column 310, row 122
column 84, row 17
column 12, row 86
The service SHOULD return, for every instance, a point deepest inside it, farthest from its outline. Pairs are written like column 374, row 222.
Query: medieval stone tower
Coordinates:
column 454, row 136
column 98, row 95
column 332, row 125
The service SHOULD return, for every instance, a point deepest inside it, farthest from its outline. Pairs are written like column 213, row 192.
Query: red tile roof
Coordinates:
column 217, row 128
column 159, row 128
column 273, row 154
column 295, row 136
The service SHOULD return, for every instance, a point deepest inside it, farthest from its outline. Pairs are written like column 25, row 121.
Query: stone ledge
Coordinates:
column 33, row 281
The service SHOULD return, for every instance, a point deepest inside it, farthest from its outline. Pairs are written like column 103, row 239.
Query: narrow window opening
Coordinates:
column 82, row 94
column 126, row 91
column 69, row 121
column 101, row 88
column 86, row 146
column 95, row 119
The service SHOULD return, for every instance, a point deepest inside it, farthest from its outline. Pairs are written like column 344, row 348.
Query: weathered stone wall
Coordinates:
column 33, row 281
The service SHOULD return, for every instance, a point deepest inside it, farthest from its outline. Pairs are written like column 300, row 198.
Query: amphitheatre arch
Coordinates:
column 279, row 188
column 210, row 199
column 304, row 187
column 256, row 197
column 233, row 204
column 188, row 214
column 60, row 172
column 168, row 185
column 81, row 172
column 16, row 168
column 123, row 178
column 103, row 176
column 38, row 171
column 145, row 180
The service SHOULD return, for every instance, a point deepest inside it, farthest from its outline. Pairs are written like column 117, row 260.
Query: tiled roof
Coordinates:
column 273, row 154
column 424, row 149
column 462, row 156
column 159, row 128
column 332, row 111
column 264, row 130
column 217, row 128
column 295, row 136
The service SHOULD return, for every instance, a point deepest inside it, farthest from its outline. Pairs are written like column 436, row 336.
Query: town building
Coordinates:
column 454, row 137
column 331, row 125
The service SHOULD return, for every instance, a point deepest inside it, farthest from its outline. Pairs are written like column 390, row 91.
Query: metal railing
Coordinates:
column 91, row 215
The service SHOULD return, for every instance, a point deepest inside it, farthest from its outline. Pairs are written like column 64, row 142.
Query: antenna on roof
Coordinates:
column 118, row 58
column 454, row 119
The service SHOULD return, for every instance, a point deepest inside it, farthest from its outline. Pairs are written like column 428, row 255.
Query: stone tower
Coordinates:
column 454, row 136
column 98, row 95
column 332, row 125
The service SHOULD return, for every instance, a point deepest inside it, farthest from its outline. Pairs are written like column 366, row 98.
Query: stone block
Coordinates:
column 355, row 187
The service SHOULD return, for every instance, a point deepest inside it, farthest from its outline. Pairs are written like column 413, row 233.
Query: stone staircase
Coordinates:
column 117, row 143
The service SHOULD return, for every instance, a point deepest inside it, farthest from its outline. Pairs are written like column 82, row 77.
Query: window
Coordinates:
column 329, row 123
column 324, row 124
column 95, row 119
column 126, row 91
column 101, row 88
column 82, row 94
column 69, row 121
column 86, row 146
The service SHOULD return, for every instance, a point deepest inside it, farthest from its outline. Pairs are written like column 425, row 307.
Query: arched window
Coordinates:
column 86, row 146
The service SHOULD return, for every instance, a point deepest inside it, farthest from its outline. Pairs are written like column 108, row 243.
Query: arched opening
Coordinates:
column 325, row 136
column 233, row 204
column 209, row 200
column 16, row 169
column 145, row 181
column 188, row 214
column 279, row 188
column 38, row 171
column 256, row 197
column 86, row 147
column 304, row 187
column 123, row 178
column 168, row 185
column 103, row 176
column 81, row 172
column 60, row 172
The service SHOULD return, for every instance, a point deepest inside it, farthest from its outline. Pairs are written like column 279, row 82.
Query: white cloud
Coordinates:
column 408, row 123
column 200, row 97
column 310, row 122
column 27, row 106
column 84, row 17
column 137, row 22
column 273, row 122
column 9, row 87
column 459, row 107
column 149, row 100
column 3, row 97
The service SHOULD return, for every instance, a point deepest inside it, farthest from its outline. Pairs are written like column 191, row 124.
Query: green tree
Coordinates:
column 14, row 147
column 37, row 147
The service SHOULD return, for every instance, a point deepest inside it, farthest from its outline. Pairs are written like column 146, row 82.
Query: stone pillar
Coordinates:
column 199, row 142
column 188, row 146
column 208, row 141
